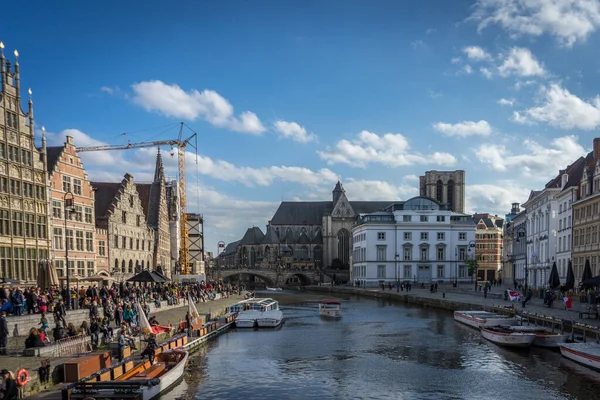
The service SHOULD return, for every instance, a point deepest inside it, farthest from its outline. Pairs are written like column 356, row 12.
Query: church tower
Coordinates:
column 158, row 218
column 338, row 191
column 447, row 187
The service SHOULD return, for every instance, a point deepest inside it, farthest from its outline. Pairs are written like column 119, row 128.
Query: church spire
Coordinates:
column 159, row 170
column 337, row 192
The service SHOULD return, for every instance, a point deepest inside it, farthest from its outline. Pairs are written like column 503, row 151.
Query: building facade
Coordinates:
column 101, row 244
column 586, row 217
column 75, row 227
column 119, row 210
column 488, row 246
column 520, row 248
column 24, row 197
column 196, row 243
column 446, row 187
column 418, row 240
column 174, row 211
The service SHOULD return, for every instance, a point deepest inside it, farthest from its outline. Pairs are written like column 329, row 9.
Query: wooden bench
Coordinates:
column 588, row 314
column 136, row 370
column 151, row 372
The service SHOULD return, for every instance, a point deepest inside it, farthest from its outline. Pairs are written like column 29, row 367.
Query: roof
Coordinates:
column 252, row 236
column 303, row 238
column 231, row 247
column 577, row 169
column 271, row 236
column 312, row 212
column 53, row 154
column 143, row 190
column 153, row 210
column 318, row 239
column 105, row 193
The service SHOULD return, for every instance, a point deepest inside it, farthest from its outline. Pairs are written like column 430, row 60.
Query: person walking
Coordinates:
column 527, row 297
column 9, row 390
column 3, row 333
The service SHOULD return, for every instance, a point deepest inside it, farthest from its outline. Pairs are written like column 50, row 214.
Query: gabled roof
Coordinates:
column 312, row 212
column 231, row 247
column 577, row 169
column 288, row 238
column 143, row 190
column 105, row 193
column 252, row 236
column 318, row 239
column 271, row 236
column 53, row 155
column 303, row 238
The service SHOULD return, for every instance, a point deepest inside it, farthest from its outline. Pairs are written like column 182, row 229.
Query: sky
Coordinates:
column 287, row 97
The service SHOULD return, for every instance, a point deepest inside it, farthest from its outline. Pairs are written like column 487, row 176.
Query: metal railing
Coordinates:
column 71, row 346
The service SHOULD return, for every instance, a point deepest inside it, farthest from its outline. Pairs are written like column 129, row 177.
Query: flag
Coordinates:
column 513, row 296
column 142, row 320
column 192, row 310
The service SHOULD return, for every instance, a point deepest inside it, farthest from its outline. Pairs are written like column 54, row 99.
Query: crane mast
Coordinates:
column 181, row 146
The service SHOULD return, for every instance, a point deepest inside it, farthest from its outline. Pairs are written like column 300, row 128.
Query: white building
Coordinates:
column 418, row 240
column 563, row 250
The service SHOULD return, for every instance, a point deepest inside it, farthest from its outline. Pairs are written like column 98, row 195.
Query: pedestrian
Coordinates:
column 527, row 297
column 485, row 290
column 9, row 390
column 3, row 333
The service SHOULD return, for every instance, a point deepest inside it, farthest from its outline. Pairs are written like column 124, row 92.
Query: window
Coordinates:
column 77, row 186
column 13, row 153
column 423, row 218
column 463, row 271
column 137, row 220
column 79, row 240
column 462, row 235
column 15, row 187
column 440, row 271
column 424, row 235
column 66, row 181
column 40, row 192
column 441, row 218
column 116, row 241
column 3, row 184
column 27, row 189
column 88, row 215
column 440, row 236
column 89, row 241
column 70, row 243
column 90, row 268
column 407, row 253
column 56, row 209
column 78, row 214
column 2, row 150
column 131, row 200
column 17, row 223
column 424, row 254
column 381, row 253
column 131, row 243
column 124, row 217
column 101, row 247
column 11, row 120
column 26, row 157
column 406, row 218
column 462, row 254
column 144, row 244
column 407, row 272
column 380, row 235
column 29, row 225
column 81, row 268
column 4, row 223
column 381, row 271
column 57, row 238
column 137, row 244
column 124, row 241
column 407, row 235
column 440, row 254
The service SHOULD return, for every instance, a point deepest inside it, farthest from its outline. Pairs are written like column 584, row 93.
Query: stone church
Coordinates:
column 303, row 234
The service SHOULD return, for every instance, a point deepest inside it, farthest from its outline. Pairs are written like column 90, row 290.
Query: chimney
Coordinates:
column 564, row 180
column 596, row 148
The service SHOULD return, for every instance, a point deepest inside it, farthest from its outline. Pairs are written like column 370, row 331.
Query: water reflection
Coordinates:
column 378, row 350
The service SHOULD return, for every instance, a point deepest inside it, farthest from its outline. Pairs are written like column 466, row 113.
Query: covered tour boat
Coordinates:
column 330, row 308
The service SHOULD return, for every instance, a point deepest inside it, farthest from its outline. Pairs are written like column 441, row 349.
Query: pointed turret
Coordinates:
column 153, row 211
column 159, row 169
column 337, row 192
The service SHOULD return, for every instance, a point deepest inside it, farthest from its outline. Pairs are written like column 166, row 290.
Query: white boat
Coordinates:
column 587, row 354
column 477, row 319
column 270, row 319
column 274, row 288
column 250, row 310
column 247, row 319
column 148, row 384
column 330, row 308
column 543, row 336
column 503, row 336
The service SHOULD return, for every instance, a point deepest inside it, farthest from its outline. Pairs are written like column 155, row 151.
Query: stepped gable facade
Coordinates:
column 314, row 233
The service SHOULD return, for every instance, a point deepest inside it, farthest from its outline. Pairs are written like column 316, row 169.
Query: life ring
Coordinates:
column 22, row 377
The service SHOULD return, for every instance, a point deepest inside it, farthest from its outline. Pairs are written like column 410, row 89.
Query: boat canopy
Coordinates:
column 336, row 302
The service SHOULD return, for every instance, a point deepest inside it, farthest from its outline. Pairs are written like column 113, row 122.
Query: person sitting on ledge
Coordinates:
column 34, row 339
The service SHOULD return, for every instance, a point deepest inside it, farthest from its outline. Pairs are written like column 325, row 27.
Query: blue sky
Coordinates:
column 287, row 96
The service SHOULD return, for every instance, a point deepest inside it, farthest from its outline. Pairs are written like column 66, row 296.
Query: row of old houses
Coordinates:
column 559, row 224
column 50, row 211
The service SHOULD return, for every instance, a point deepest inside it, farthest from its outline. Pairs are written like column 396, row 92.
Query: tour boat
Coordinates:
column 247, row 319
column 587, row 354
column 477, row 319
column 503, row 336
column 270, row 319
column 330, row 308
column 251, row 310
column 543, row 336
column 143, row 383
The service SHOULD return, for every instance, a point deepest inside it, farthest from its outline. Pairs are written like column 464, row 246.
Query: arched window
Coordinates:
column 142, row 265
column 318, row 256
column 303, row 253
column 439, row 191
column 450, row 191
column 116, row 264
column 137, row 266
column 252, row 256
column 303, row 230
column 288, row 231
column 123, row 266
column 131, row 266
column 343, row 253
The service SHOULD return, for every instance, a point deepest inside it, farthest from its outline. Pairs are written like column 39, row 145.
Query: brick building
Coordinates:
column 488, row 246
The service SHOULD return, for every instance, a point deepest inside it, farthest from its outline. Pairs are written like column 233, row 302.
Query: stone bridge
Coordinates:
column 275, row 278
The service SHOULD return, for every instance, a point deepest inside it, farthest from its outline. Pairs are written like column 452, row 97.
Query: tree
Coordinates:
column 473, row 266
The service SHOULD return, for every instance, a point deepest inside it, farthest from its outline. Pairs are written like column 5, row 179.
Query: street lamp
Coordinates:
column 69, row 206
column 474, row 261
column 522, row 233
column 396, row 271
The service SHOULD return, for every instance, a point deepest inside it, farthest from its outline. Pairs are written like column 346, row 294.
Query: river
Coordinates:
column 377, row 350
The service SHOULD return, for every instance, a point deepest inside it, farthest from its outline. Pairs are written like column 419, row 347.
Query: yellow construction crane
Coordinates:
column 181, row 145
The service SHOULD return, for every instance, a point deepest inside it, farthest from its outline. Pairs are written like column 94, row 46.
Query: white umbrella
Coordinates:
column 192, row 310
column 142, row 320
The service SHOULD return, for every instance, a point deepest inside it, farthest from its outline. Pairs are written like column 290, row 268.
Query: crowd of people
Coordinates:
column 119, row 308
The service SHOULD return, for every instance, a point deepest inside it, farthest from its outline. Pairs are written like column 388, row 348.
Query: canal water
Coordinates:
column 377, row 350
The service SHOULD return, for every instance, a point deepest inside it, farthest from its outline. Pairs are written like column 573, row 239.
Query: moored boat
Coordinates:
column 247, row 319
column 503, row 336
column 270, row 319
column 477, row 319
column 251, row 310
column 543, row 336
column 587, row 354
column 330, row 308
column 274, row 288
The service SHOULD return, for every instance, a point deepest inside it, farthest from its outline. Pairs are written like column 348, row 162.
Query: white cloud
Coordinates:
column 536, row 160
column 411, row 178
column 416, row 44
column 476, row 53
column 506, row 102
column 464, row 129
column 564, row 110
column 367, row 190
column 430, row 31
column 467, row 69
column 391, row 149
column 173, row 101
column 486, row 72
column 521, row 84
column 107, row 89
column 520, row 62
column 494, row 198
column 291, row 130
column 433, row 94
column 455, row 60
column 569, row 21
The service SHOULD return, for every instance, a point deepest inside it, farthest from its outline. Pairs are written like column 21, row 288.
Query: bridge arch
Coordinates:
column 266, row 278
column 304, row 279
